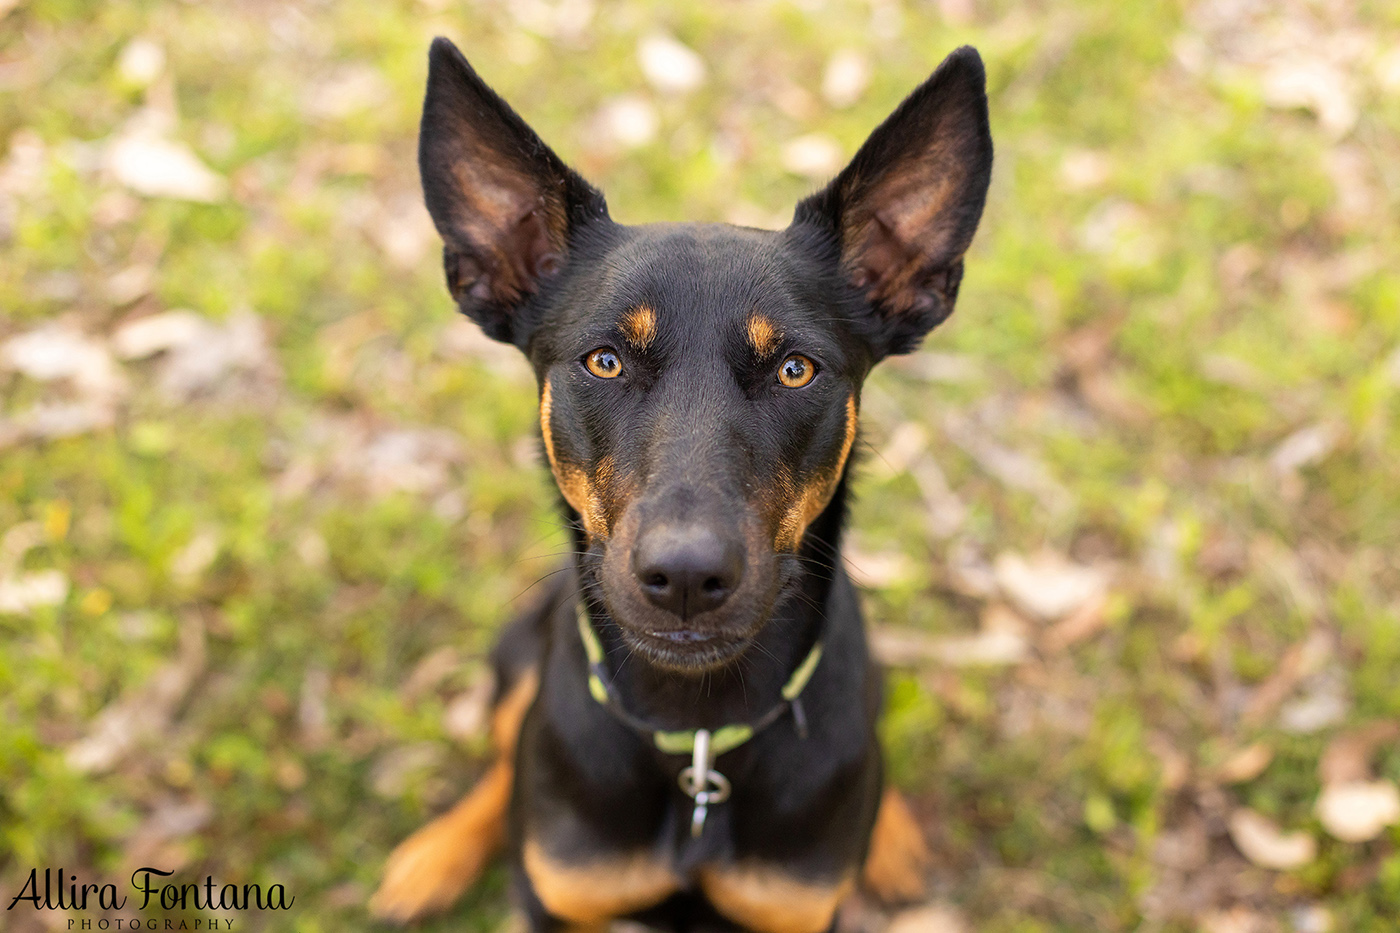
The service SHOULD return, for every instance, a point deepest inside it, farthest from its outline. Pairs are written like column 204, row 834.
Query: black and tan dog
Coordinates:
column 686, row 726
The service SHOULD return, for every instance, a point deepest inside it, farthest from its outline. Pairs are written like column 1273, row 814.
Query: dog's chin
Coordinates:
column 685, row 651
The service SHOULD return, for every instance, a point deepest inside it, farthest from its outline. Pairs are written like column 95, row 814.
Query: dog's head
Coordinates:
column 700, row 383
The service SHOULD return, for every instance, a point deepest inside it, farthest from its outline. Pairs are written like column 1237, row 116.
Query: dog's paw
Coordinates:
column 430, row 869
column 899, row 856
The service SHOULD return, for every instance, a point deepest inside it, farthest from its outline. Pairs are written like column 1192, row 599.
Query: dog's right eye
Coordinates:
column 604, row 363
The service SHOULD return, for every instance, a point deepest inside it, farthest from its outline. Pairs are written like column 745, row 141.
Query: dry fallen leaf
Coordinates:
column 172, row 819
column 1326, row 703
column 845, row 78
column 404, row 231
column 198, row 365
column 17, row 541
column 56, row 419
column 1267, row 846
column 156, row 333
column 1080, row 624
column 1299, row 661
column 157, row 167
column 1317, row 85
column 1016, row 468
column 902, row 647
column 1048, row 585
column 1347, row 757
column 54, row 352
column 1358, row 811
column 402, row 460
column 928, row 918
column 467, row 714
column 141, row 61
column 1305, row 447
column 877, row 569
column 669, row 65
column 629, row 121
column 27, row 591
column 1083, row 169
column 1246, row 764
column 1176, row 767
column 1234, row 920
column 313, row 713
column 195, row 557
column 1312, row 918
column 349, row 89
column 1184, row 848
column 429, row 673
column 144, row 712
column 815, row 155
column 401, row 767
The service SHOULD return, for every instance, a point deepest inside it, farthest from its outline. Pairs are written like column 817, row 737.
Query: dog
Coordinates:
column 685, row 726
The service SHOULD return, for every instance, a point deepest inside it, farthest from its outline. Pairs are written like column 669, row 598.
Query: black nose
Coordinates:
column 687, row 569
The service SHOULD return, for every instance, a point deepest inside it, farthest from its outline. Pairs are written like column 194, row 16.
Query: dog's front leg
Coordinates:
column 430, row 869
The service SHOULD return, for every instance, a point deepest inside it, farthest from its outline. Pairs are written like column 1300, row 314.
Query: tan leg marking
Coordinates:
column 430, row 869
column 813, row 497
column 766, row 900
column 592, row 894
column 639, row 326
column 764, row 335
column 509, row 714
column 899, row 856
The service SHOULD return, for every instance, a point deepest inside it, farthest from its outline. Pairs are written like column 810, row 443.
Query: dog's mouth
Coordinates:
column 684, row 636
column 685, row 650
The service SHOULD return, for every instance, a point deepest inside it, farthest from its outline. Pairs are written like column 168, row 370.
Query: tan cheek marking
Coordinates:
column 596, row 892
column 815, row 495
column 767, row 901
column 763, row 334
column 614, row 489
column 546, row 409
column 639, row 326
column 899, row 856
column 573, row 481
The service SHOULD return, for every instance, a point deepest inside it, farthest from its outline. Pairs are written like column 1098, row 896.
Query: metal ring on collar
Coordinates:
column 688, row 784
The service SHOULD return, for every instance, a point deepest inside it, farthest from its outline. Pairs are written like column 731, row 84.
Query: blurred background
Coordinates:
column 1129, row 525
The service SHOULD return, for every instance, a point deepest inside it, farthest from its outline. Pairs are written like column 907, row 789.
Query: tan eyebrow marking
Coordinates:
column 764, row 335
column 639, row 326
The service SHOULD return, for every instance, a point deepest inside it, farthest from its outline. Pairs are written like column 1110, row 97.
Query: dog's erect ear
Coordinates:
column 504, row 203
column 905, row 209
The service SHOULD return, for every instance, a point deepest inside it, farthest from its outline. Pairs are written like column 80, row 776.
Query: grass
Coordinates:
column 1174, row 360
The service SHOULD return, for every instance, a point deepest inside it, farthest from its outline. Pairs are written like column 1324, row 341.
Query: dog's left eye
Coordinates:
column 796, row 371
column 604, row 363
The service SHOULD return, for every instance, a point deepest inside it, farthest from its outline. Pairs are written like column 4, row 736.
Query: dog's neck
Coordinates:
column 747, row 687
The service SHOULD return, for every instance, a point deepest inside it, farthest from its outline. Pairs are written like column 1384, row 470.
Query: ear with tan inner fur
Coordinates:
column 905, row 209
column 505, row 204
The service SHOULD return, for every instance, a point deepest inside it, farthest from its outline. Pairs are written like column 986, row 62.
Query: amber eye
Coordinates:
column 604, row 363
column 796, row 371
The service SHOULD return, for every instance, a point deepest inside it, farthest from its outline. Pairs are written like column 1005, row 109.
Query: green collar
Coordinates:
column 725, row 738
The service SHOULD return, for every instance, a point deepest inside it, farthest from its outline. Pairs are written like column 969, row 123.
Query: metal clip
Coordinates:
column 696, row 782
